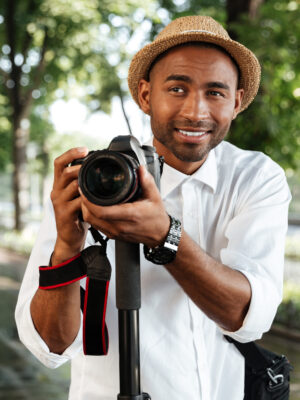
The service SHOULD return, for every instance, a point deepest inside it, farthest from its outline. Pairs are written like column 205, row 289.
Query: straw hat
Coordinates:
column 197, row 29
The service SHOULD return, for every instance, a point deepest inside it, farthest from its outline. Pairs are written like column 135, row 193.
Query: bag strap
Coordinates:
column 252, row 353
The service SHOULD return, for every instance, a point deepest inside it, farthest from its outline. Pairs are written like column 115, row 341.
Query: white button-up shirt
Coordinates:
column 235, row 207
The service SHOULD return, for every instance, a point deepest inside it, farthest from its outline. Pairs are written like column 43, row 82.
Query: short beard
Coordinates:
column 190, row 157
column 187, row 152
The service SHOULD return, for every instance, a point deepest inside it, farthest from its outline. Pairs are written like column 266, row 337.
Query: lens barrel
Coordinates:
column 109, row 177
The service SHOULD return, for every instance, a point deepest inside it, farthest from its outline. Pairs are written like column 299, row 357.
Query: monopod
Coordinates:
column 128, row 302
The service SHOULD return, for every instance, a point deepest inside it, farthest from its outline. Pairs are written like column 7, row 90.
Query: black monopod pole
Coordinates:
column 128, row 301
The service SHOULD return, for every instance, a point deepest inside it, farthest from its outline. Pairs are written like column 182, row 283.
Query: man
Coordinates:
column 226, row 275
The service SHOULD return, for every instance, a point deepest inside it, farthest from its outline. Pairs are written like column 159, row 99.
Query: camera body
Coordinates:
column 110, row 176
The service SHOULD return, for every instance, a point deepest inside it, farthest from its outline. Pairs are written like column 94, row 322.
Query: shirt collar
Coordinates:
column 207, row 174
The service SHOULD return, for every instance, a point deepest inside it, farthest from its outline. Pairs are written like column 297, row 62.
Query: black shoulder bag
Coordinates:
column 267, row 375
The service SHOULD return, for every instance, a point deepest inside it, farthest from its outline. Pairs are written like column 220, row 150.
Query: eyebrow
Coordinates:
column 220, row 85
column 187, row 79
column 182, row 78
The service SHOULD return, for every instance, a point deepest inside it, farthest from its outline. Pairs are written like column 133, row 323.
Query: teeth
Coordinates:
column 187, row 133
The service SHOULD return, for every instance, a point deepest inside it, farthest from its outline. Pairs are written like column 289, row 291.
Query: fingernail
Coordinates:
column 82, row 150
column 146, row 171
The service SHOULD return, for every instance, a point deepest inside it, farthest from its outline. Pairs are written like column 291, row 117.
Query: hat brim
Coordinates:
column 249, row 65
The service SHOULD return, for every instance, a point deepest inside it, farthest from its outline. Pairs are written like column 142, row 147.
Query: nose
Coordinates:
column 195, row 107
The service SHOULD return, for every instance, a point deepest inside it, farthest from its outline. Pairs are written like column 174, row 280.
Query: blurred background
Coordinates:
column 63, row 70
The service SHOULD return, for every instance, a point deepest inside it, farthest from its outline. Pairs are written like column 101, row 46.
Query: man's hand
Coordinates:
column 66, row 201
column 143, row 221
column 56, row 313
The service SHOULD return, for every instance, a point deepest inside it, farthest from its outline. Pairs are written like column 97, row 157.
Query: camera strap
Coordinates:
column 95, row 334
column 93, row 264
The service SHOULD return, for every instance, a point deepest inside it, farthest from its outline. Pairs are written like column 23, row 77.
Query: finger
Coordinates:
column 117, row 212
column 149, row 188
column 99, row 224
column 61, row 162
column 69, row 211
column 74, row 206
column 120, row 230
column 68, row 193
column 68, row 175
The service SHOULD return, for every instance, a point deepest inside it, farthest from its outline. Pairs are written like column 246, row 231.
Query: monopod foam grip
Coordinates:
column 128, row 277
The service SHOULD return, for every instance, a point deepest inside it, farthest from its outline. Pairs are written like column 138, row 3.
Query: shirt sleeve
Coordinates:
column 28, row 335
column 256, row 241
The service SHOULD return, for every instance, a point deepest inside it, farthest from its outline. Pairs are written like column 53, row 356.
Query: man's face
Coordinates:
column 192, row 98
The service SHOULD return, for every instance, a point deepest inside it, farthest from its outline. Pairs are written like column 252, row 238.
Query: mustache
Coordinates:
column 205, row 125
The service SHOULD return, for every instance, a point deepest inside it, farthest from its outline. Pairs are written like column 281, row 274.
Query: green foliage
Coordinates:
column 40, row 42
column 171, row 9
column 288, row 313
column 272, row 123
column 88, row 49
column 5, row 137
column 64, row 28
column 292, row 247
column 123, row 24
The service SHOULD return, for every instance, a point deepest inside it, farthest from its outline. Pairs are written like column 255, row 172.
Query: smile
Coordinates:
column 193, row 133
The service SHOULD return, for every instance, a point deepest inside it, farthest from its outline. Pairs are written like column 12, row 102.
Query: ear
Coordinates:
column 144, row 95
column 239, row 94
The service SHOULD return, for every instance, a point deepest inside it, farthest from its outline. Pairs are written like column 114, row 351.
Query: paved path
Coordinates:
column 22, row 377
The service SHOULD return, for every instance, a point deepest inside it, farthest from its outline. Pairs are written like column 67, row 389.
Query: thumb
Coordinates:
column 149, row 188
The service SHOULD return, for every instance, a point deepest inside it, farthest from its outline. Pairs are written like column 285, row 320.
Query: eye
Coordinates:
column 216, row 93
column 176, row 89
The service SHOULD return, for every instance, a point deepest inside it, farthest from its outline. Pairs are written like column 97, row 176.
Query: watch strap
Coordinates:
column 166, row 253
column 174, row 234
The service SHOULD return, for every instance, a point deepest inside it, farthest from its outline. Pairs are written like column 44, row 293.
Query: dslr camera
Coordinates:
column 110, row 176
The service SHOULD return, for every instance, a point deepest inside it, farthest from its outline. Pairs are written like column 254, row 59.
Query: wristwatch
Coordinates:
column 166, row 252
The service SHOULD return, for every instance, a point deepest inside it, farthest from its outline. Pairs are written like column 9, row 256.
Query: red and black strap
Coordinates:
column 95, row 301
column 93, row 264
column 62, row 274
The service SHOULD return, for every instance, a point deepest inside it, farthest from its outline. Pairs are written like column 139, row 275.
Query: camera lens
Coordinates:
column 108, row 177
column 105, row 178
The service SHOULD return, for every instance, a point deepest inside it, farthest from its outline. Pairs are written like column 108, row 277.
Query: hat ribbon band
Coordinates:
column 199, row 30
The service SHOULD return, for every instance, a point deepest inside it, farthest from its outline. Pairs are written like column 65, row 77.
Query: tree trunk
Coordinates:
column 21, row 104
column 254, row 6
column 44, row 174
column 236, row 8
column 20, row 174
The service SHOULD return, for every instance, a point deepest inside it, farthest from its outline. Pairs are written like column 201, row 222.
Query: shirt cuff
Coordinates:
column 34, row 342
column 265, row 298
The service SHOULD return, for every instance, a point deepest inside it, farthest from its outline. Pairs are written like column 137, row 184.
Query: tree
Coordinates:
column 50, row 46
column 125, row 26
column 40, row 41
column 236, row 8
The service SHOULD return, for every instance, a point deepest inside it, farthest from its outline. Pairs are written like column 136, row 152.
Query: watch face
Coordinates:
column 162, row 255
